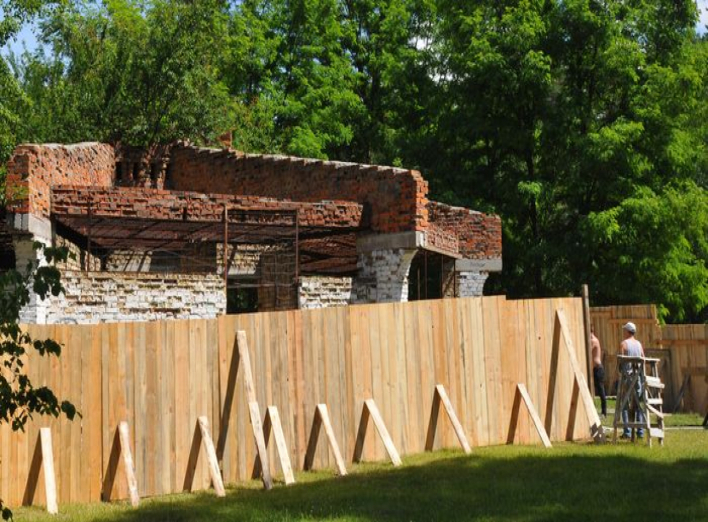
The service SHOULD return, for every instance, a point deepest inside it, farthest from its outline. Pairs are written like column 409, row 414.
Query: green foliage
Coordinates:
column 138, row 72
column 19, row 398
column 654, row 244
column 15, row 13
column 338, row 79
column 552, row 112
column 557, row 115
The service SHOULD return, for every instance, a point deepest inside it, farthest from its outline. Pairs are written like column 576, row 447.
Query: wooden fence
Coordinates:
column 607, row 322
column 688, row 348
column 683, row 350
column 161, row 376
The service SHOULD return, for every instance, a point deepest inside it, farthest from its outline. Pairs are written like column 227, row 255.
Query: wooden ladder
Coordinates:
column 650, row 402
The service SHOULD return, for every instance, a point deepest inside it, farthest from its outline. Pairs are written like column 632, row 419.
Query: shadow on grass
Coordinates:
column 529, row 488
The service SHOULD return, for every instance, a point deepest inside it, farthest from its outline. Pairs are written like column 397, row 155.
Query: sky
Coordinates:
column 26, row 35
column 703, row 6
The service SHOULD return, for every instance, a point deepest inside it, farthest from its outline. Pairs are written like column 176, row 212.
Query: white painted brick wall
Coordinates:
column 383, row 275
column 471, row 284
column 96, row 297
column 324, row 292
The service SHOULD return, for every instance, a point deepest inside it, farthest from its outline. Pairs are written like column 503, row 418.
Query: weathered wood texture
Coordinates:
column 161, row 376
column 607, row 322
column 43, row 461
column 683, row 350
column 688, row 346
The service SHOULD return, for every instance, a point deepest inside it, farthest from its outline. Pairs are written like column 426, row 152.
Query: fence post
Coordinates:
column 588, row 338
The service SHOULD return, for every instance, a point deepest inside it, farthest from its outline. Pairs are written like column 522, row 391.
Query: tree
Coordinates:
column 287, row 61
column 550, row 112
column 123, row 70
column 19, row 398
column 341, row 79
column 15, row 13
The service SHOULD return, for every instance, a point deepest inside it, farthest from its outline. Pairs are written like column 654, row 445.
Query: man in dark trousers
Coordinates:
column 598, row 371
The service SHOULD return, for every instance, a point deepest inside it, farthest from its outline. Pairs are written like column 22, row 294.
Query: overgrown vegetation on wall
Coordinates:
column 584, row 124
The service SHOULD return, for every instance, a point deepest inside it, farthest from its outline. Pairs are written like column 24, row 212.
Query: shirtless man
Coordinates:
column 598, row 371
column 633, row 348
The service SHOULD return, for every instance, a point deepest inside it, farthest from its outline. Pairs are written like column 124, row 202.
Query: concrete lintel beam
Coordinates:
column 39, row 227
column 399, row 240
column 479, row 265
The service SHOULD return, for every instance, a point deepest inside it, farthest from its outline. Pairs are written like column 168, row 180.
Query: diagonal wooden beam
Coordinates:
column 370, row 410
column 202, row 439
column 121, row 447
column 43, row 457
column 440, row 398
column 595, row 424
column 261, row 466
column 562, row 332
column 320, row 419
column 271, row 424
column 522, row 394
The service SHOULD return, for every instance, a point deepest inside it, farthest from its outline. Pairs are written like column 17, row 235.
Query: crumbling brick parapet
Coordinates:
column 479, row 235
column 397, row 198
column 35, row 169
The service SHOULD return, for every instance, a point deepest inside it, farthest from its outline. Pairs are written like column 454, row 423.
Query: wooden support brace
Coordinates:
column 523, row 394
column 202, row 439
column 322, row 418
column 561, row 331
column 371, row 410
column 684, row 386
column 271, row 423
column 43, row 457
column 261, row 466
column 121, row 446
column 440, row 397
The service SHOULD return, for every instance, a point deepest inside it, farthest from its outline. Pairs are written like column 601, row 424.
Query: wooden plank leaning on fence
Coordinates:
column 271, row 423
column 440, row 397
column 242, row 359
column 523, row 394
column 121, row 446
column 370, row 410
column 686, row 385
column 43, row 457
column 322, row 418
column 560, row 330
column 202, row 438
column 254, row 412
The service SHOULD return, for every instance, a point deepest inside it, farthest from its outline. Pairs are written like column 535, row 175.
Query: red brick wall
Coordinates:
column 397, row 197
column 442, row 239
column 34, row 169
column 479, row 235
column 388, row 199
column 176, row 205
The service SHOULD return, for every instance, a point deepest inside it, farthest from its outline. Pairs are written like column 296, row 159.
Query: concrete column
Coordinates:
column 383, row 275
column 36, row 311
column 471, row 284
column 471, row 274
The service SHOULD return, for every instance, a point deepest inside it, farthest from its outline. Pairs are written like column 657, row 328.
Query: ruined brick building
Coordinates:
column 181, row 231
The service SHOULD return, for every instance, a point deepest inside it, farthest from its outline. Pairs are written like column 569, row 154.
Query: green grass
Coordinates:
column 504, row 483
column 671, row 420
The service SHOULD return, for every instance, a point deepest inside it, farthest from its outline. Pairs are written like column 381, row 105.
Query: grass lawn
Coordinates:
column 570, row 482
column 671, row 420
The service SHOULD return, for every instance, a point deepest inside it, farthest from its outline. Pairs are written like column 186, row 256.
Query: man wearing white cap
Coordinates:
column 632, row 348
